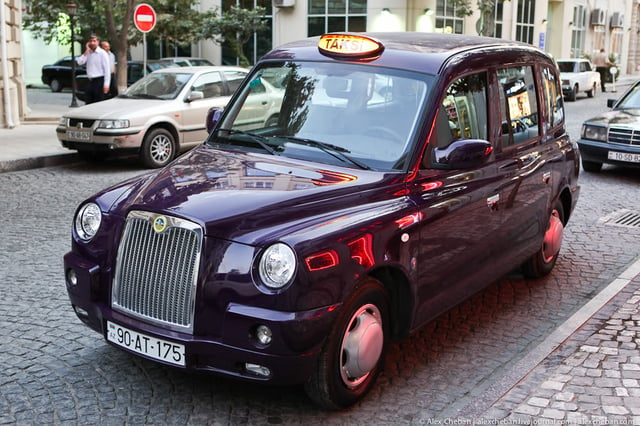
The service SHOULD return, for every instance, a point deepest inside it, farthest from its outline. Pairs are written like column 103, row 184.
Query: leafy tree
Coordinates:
column 112, row 20
column 235, row 26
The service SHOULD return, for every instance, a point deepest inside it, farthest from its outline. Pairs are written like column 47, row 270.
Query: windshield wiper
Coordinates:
column 260, row 140
column 333, row 150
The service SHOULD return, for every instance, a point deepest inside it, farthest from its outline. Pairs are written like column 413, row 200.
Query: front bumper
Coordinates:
column 290, row 359
column 598, row 152
column 102, row 139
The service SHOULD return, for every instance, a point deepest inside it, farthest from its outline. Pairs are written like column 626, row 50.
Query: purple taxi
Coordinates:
column 395, row 175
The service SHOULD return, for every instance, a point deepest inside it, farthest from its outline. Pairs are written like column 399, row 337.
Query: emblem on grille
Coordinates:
column 159, row 224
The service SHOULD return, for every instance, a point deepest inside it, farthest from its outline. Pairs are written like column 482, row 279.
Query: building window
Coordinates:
column 260, row 43
column 525, row 27
column 327, row 16
column 447, row 19
column 578, row 31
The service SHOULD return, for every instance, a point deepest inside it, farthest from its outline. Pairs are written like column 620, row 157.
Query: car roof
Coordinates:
column 424, row 52
column 200, row 69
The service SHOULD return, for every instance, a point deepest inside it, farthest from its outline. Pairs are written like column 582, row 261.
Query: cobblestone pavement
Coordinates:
column 465, row 366
column 593, row 378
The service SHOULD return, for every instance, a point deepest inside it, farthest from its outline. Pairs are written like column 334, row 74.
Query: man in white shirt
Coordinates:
column 112, row 61
column 98, row 70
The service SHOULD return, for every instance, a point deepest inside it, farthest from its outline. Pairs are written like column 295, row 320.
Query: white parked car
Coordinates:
column 578, row 75
column 158, row 116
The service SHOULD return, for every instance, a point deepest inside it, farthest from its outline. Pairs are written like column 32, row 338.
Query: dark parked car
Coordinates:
column 58, row 75
column 613, row 137
column 187, row 61
column 404, row 173
column 135, row 71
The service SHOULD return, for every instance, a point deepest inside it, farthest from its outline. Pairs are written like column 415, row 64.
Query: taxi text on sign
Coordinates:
column 348, row 44
column 144, row 17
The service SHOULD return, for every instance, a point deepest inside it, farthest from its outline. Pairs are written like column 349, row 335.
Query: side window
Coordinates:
column 234, row 78
column 463, row 112
column 210, row 84
column 554, row 103
column 518, row 105
column 134, row 73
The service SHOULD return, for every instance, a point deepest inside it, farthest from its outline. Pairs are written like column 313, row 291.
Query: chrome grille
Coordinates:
column 78, row 122
column 624, row 136
column 156, row 270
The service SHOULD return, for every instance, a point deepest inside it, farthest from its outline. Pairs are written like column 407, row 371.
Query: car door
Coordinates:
column 524, row 165
column 456, row 207
column 212, row 86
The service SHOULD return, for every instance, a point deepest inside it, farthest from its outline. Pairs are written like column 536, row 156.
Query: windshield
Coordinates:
column 632, row 99
column 158, row 85
column 346, row 114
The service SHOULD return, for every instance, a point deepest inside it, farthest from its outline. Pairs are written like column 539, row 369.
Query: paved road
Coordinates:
column 55, row 370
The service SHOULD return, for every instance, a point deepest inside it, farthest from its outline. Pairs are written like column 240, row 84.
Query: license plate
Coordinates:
column 624, row 156
column 82, row 135
column 152, row 347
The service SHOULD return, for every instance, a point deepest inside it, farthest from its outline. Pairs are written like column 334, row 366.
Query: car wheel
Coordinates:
column 272, row 121
column 591, row 92
column 573, row 93
column 55, row 85
column 158, row 148
column 591, row 166
column 353, row 355
column 543, row 261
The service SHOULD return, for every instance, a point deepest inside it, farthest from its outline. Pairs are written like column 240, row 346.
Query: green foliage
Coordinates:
column 176, row 21
column 235, row 27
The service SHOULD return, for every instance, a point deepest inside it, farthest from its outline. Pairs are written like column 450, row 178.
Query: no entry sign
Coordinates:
column 144, row 17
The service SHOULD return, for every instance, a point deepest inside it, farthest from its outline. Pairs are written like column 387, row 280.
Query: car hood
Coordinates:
column 242, row 197
column 119, row 108
column 620, row 117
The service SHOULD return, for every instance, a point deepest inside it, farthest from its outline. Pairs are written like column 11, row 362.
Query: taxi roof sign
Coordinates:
column 349, row 46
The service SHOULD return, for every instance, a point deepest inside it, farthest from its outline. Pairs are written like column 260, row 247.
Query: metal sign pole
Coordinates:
column 144, row 50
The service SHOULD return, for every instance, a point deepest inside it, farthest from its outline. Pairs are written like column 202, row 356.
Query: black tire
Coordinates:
column 592, row 92
column 55, row 85
column 591, row 166
column 572, row 94
column 543, row 261
column 158, row 148
column 272, row 121
column 342, row 378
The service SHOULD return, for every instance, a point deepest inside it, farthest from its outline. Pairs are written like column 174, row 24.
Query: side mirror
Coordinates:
column 195, row 95
column 611, row 102
column 462, row 154
column 213, row 116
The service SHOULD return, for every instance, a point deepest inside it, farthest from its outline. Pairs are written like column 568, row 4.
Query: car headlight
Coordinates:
column 113, row 124
column 277, row 266
column 88, row 221
column 597, row 133
column 62, row 121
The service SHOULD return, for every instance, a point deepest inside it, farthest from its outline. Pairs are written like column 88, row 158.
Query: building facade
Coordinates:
column 12, row 86
column 564, row 28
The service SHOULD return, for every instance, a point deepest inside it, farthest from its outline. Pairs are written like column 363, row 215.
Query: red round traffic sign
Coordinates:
column 144, row 17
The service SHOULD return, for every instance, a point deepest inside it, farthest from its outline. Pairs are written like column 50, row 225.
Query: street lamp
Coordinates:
column 71, row 10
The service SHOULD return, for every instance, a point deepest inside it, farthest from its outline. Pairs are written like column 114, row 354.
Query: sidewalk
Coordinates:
column 33, row 143
column 586, row 372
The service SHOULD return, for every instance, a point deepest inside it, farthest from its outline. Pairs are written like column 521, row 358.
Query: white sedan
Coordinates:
column 158, row 116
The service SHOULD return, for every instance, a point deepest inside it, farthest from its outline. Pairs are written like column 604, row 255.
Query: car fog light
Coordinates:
column 72, row 277
column 260, row 370
column 81, row 312
column 263, row 334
